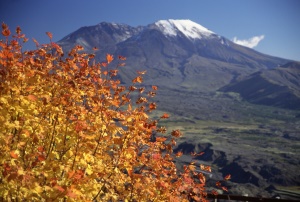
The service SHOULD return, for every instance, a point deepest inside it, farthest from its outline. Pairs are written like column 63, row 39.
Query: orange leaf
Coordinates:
column 121, row 64
column 59, row 188
column 109, row 58
column 152, row 106
column 4, row 26
column 137, row 80
column 156, row 156
column 132, row 88
column 49, row 34
column 165, row 116
column 143, row 72
column 227, row 177
column 114, row 72
column 14, row 155
column 40, row 148
column 129, row 172
column 154, row 87
column 179, row 154
column 6, row 32
column 36, row 42
column 71, row 174
column 176, row 133
column 205, row 168
column 142, row 89
column 195, row 154
column 192, row 167
column 32, row 97
column 122, row 57
column 71, row 193
column 18, row 30
column 160, row 139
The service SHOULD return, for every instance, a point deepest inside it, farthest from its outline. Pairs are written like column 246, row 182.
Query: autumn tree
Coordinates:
column 70, row 131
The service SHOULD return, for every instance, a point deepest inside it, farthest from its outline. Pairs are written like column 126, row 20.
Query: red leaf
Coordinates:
column 41, row 158
column 49, row 34
column 40, row 149
column 214, row 192
column 225, row 189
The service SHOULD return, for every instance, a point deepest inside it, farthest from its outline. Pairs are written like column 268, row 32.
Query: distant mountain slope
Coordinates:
column 278, row 87
column 176, row 53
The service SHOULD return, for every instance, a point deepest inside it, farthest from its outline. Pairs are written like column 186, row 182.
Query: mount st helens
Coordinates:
column 239, row 105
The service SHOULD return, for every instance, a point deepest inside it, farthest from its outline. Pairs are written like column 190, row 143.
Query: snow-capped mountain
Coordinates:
column 175, row 53
column 188, row 28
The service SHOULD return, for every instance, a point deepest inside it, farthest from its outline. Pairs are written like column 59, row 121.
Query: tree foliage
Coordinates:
column 70, row 131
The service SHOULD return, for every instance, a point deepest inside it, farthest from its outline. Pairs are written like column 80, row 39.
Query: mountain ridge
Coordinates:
column 182, row 59
column 271, row 87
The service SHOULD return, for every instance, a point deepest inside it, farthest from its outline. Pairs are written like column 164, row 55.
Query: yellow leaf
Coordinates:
column 38, row 188
column 88, row 170
column 128, row 155
column 21, row 171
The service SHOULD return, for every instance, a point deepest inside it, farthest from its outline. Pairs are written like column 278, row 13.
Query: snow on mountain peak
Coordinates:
column 187, row 27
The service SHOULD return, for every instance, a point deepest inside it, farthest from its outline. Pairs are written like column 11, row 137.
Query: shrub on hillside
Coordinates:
column 69, row 131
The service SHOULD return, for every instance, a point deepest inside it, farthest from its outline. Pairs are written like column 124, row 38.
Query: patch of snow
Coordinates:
column 166, row 27
column 187, row 27
column 82, row 42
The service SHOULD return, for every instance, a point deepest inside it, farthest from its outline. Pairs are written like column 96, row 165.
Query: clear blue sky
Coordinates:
column 275, row 23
